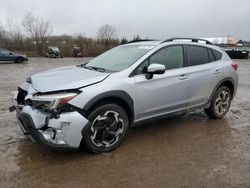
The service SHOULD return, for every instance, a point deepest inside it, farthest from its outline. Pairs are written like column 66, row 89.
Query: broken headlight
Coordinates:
column 52, row 101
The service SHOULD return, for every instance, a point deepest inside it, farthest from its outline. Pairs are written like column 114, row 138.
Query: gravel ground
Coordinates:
column 183, row 151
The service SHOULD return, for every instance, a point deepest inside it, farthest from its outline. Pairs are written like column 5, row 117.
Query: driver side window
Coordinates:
column 171, row 57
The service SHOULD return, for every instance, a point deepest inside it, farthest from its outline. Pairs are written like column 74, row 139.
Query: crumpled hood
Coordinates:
column 66, row 78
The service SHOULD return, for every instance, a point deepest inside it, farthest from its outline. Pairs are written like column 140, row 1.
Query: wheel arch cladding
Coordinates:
column 118, row 97
column 228, row 82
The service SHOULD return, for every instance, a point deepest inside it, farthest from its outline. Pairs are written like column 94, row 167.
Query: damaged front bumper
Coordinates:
column 58, row 132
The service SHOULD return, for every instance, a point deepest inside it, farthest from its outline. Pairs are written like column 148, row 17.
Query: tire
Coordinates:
column 220, row 103
column 19, row 60
column 107, row 129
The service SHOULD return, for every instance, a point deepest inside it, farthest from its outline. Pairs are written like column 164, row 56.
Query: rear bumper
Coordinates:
column 64, row 132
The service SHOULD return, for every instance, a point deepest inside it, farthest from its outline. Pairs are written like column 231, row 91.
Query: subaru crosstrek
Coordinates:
column 95, row 103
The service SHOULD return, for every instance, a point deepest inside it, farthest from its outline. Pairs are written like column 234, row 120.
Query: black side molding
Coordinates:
column 109, row 94
column 229, row 79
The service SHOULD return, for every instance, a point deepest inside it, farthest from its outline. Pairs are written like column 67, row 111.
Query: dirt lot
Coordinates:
column 186, row 151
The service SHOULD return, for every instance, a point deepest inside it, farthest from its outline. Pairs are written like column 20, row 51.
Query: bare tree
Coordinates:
column 106, row 32
column 13, row 28
column 136, row 38
column 124, row 40
column 2, row 35
column 14, row 33
column 38, row 30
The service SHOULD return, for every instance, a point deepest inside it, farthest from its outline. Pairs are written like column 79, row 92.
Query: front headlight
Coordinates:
column 52, row 101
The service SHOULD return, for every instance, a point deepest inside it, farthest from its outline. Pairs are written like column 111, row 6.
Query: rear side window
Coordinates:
column 217, row 55
column 197, row 55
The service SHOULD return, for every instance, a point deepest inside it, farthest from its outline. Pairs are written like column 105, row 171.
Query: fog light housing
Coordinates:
column 56, row 136
column 61, row 133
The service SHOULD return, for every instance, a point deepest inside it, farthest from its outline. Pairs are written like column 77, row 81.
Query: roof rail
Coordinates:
column 143, row 40
column 191, row 39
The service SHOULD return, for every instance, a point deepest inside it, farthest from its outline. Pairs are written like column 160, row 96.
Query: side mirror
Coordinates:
column 154, row 69
column 11, row 53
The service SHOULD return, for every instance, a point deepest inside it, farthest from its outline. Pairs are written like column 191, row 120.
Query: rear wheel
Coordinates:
column 107, row 128
column 220, row 103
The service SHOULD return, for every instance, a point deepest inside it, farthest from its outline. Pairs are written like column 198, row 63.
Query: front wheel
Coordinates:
column 107, row 128
column 19, row 60
column 220, row 103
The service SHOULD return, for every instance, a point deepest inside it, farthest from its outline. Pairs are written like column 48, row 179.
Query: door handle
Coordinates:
column 183, row 77
column 217, row 71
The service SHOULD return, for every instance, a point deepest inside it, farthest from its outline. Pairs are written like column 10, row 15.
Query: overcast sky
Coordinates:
column 156, row 19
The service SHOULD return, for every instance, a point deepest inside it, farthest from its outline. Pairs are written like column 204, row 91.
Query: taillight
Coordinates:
column 235, row 66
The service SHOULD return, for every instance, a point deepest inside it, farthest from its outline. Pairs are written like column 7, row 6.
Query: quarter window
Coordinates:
column 211, row 55
column 197, row 55
column 142, row 67
column 217, row 55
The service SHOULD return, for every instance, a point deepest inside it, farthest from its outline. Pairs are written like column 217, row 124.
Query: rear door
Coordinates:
column 163, row 93
column 204, row 72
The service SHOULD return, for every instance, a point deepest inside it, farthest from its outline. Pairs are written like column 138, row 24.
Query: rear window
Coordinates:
column 197, row 55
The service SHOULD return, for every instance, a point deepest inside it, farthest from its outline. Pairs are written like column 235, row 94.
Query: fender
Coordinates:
column 109, row 94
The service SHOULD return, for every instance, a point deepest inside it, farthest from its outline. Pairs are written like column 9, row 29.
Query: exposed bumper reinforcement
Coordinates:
column 64, row 132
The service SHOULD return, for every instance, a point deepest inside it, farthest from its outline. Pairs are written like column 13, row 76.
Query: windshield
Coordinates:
column 119, row 58
column 54, row 48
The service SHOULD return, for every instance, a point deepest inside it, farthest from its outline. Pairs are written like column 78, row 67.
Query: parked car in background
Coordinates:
column 6, row 55
column 96, row 103
column 77, row 52
column 53, row 52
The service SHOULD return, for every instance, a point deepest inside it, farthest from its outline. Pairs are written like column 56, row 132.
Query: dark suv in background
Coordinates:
column 6, row 55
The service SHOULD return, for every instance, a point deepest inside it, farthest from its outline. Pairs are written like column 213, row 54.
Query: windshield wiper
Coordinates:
column 84, row 65
column 99, row 69
column 95, row 68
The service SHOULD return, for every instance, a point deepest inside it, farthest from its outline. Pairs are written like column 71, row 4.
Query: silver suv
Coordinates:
column 95, row 103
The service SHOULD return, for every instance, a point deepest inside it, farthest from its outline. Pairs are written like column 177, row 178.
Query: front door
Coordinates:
column 163, row 93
